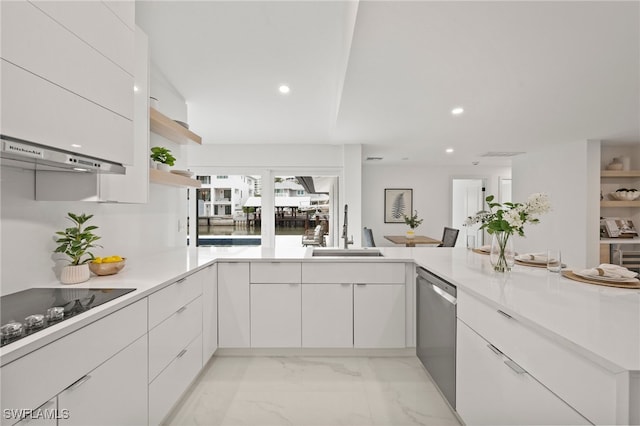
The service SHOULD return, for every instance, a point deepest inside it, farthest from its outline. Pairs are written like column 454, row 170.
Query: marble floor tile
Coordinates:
column 322, row 391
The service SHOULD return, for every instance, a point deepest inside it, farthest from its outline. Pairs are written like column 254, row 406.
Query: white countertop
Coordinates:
column 601, row 322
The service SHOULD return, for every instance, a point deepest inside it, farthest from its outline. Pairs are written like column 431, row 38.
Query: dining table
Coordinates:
column 411, row 242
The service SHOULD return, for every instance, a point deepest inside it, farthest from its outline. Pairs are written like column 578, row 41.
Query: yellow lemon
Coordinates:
column 97, row 260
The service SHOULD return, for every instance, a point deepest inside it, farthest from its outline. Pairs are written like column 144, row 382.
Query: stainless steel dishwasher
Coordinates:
column 436, row 330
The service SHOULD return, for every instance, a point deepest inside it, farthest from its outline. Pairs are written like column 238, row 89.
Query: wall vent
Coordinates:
column 502, row 153
column 374, row 158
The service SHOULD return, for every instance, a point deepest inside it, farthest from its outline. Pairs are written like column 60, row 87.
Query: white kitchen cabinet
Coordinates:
column 491, row 389
column 133, row 187
column 234, row 330
column 115, row 393
column 585, row 385
column 166, row 390
column 164, row 303
column 378, row 315
column 29, row 381
column 209, row 312
column 275, row 315
column 327, row 315
column 58, row 89
column 353, row 272
column 173, row 334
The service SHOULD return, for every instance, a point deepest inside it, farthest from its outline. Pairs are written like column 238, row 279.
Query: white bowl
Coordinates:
column 625, row 195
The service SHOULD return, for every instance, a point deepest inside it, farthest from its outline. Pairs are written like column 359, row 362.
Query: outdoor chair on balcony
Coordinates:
column 313, row 238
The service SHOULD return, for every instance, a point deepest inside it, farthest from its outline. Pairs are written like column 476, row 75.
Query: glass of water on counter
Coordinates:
column 554, row 260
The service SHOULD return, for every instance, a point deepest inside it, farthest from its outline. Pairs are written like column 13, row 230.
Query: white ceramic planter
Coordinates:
column 163, row 167
column 75, row 274
column 411, row 234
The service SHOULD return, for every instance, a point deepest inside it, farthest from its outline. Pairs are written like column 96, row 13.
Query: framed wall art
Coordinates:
column 397, row 204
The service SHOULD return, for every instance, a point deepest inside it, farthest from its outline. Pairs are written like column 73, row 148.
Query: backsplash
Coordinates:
column 27, row 228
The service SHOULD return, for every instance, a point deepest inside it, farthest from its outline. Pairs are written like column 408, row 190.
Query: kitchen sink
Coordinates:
column 347, row 252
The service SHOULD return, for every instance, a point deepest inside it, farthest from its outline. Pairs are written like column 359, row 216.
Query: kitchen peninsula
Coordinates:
column 578, row 344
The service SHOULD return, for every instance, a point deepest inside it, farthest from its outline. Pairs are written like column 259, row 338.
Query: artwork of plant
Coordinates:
column 397, row 203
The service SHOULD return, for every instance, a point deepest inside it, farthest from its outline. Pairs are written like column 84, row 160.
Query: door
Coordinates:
column 378, row 316
column 467, row 199
column 327, row 315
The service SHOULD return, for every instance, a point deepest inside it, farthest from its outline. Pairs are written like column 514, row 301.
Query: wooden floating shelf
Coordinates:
column 172, row 179
column 620, row 173
column 611, row 203
column 164, row 126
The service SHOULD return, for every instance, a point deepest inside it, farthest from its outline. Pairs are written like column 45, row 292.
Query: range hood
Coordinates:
column 25, row 154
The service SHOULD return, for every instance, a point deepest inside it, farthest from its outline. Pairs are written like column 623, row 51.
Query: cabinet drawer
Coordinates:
column 167, row 388
column 34, row 109
column 173, row 335
column 37, row 43
column 30, row 381
column 584, row 385
column 275, row 273
column 165, row 302
column 351, row 272
column 489, row 392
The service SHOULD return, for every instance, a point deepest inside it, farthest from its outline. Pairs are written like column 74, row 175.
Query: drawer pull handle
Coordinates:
column 361, row 284
column 515, row 367
column 504, row 314
column 79, row 382
column 494, row 349
column 181, row 310
column 182, row 352
column 181, row 281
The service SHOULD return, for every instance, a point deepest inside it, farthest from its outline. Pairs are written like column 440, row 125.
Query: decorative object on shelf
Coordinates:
column 507, row 219
column 396, row 203
column 163, row 158
column 626, row 162
column 75, row 243
column 413, row 223
column 624, row 194
column 185, row 173
column 615, row 164
column 107, row 265
column 182, row 123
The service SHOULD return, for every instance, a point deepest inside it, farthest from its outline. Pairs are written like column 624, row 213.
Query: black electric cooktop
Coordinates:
column 33, row 310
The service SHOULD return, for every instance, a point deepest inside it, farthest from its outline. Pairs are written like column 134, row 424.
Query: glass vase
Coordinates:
column 502, row 256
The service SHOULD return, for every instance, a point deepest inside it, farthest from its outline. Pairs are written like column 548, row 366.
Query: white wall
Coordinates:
column 570, row 174
column 128, row 230
column 432, row 188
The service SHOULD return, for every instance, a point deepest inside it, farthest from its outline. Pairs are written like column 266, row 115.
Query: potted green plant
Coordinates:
column 75, row 243
column 162, row 157
column 413, row 223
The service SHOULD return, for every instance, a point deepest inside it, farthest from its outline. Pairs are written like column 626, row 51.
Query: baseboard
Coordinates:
column 341, row 352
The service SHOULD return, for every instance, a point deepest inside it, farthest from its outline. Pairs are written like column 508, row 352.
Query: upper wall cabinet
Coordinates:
column 68, row 76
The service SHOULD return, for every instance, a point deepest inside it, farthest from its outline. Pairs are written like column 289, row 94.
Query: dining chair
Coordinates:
column 449, row 237
column 368, row 238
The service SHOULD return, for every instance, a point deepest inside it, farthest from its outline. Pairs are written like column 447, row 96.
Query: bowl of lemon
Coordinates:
column 107, row 265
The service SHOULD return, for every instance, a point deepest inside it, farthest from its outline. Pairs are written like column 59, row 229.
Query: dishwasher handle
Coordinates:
column 446, row 296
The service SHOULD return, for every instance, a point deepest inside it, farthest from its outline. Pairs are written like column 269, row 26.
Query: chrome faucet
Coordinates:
column 345, row 228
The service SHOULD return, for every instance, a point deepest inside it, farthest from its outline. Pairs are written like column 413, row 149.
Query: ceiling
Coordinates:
column 386, row 74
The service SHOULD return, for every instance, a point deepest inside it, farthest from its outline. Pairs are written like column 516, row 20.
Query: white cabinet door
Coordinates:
column 233, row 305
column 209, row 312
column 492, row 390
column 327, row 315
column 113, row 394
column 133, row 187
column 275, row 315
column 379, row 316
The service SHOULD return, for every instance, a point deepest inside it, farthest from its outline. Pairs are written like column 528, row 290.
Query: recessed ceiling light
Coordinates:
column 448, row 150
column 284, row 89
column 75, row 145
column 457, row 111
column 135, row 88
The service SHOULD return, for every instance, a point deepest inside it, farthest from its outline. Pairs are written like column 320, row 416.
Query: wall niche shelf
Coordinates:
column 172, row 179
column 620, row 173
column 164, row 126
